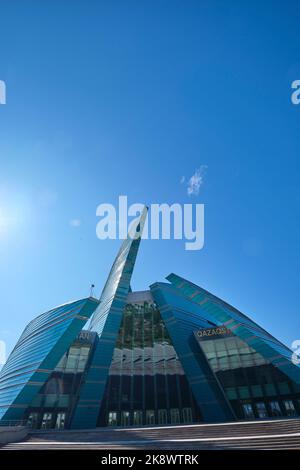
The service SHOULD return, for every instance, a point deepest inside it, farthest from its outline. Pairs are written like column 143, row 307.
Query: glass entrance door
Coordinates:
column 261, row 410
column 137, row 417
column 275, row 408
column 248, row 411
column 46, row 421
column 289, row 407
column 125, row 418
column 60, row 421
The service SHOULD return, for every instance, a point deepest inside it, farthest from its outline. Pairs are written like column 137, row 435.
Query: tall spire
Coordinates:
column 106, row 322
column 117, row 285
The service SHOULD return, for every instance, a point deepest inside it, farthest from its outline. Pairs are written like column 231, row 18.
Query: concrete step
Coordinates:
column 236, row 429
column 263, row 444
column 272, row 434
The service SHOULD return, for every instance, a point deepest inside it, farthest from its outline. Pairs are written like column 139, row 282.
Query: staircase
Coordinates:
column 271, row 434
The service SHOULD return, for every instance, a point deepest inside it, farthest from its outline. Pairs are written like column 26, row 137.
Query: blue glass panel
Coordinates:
column 40, row 347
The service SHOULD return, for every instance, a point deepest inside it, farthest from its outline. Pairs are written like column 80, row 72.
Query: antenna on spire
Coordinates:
column 92, row 290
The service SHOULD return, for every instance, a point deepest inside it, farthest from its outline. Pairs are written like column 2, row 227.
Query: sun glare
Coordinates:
column 10, row 218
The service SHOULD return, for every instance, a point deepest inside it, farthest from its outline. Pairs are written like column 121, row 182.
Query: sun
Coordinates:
column 15, row 213
column 10, row 217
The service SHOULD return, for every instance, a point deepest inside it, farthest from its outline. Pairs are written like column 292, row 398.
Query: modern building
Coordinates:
column 168, row 355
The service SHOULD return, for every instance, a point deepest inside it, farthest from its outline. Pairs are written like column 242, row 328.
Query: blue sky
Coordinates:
column 125, row 97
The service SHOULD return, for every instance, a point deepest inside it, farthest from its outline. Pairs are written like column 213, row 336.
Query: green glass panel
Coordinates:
column 257, row 391
column 283, row 388
column 244, row 392
column 231, row 393
column 270, row 389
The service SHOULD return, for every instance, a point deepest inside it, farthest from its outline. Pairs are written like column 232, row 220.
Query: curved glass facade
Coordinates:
column 253, row 385
column 146, row 384
column 174, row 354
column 53, row 406
column 40, row 347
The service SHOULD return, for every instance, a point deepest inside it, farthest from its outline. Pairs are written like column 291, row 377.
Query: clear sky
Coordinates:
column 127, row 97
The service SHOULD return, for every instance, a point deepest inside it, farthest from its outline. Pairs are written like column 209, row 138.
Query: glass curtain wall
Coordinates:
column 53, row 406
column 254, row 387
column 146, row 384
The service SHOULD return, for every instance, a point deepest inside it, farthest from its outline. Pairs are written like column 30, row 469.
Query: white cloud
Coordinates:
column 196, row 181
column 75, row 222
